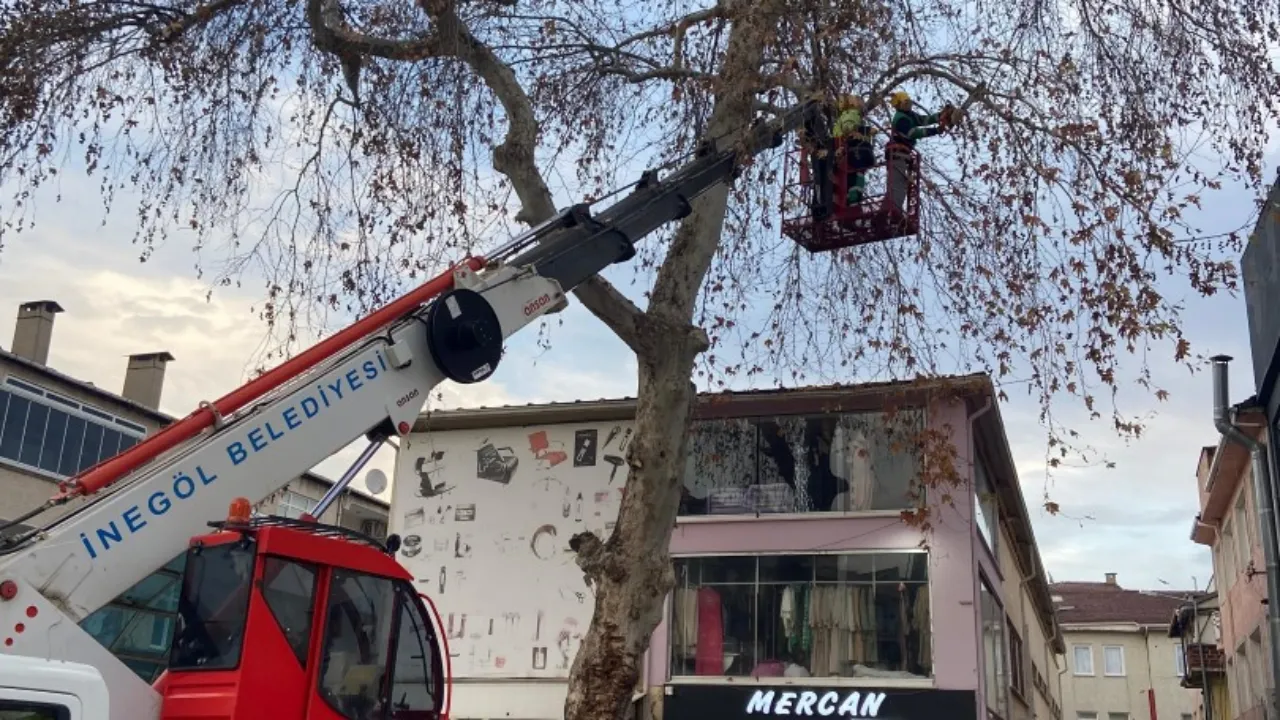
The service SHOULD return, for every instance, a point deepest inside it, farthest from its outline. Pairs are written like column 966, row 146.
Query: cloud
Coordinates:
column 110, row 314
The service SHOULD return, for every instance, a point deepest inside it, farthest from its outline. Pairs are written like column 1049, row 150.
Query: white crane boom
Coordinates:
column 376, row 385
column 86, row 559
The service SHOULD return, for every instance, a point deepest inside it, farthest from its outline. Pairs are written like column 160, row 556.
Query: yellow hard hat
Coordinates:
column 899, row 98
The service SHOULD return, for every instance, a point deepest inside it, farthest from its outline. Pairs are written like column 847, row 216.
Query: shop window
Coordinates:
column 995, row 654
column 847, row 462
column 839, row 615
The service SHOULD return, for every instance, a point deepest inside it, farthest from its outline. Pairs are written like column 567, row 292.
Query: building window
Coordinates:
column 994, row 653
column 293, row 505
column 985, row 506
column 837, row 615
column 1244, row 536
column 851, row 462
column 1225, row 552
column 1179, row 659
column 42, row 430
column 1257, row 667
column 1083, row 655
column 1017, row 660
column 1112, row 660
column 1187, row 716
column 1086, row 715
column 1117, row 716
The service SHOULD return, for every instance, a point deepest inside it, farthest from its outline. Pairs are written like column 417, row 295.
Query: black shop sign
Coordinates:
column 748, row 701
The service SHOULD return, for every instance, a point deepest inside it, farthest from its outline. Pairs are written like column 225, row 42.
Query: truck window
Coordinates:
column 415, row 678
column 288, row 587
column 358, row 626
column 212, row 607
column 12, row 710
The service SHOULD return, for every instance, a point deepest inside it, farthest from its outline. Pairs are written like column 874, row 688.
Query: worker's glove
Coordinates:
column 947, row 117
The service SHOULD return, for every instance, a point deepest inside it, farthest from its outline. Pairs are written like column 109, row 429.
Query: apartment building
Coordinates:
column 53, row 426
column 799, row 588
column 1123, row 663
column 1228, row 524
column 1197, row 623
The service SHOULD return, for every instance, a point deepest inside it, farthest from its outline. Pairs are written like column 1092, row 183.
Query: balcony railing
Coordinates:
column 1202, row 659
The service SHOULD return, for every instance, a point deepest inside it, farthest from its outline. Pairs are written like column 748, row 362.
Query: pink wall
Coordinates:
column 952, row 565
column 1243, row 605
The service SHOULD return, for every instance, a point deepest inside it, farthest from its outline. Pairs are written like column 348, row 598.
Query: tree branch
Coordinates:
column 330, row 33
column 201, row 15
column 514, row 157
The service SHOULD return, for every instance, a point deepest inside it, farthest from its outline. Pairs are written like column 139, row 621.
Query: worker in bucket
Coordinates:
column 854, row 133
column 908, row 127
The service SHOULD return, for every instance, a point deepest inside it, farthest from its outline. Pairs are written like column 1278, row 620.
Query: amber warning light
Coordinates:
column 239, row 512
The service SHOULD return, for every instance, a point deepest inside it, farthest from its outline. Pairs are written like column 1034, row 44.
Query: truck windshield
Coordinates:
column 212, row 607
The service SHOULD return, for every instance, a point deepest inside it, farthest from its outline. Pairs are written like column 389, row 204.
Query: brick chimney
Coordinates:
column 144, row 378
column 1111, row 578
column 34, row 330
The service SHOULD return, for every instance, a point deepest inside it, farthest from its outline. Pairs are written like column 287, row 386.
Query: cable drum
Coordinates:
column 464, row 336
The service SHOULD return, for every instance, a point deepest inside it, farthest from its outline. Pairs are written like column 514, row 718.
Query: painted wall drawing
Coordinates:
column 496, row 463
column 584, row 447
column 429, row 469
column 547, row 452
column 492, row 547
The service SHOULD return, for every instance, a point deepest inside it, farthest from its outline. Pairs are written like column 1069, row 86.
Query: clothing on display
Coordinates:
column 709, row 659
column 684, row 608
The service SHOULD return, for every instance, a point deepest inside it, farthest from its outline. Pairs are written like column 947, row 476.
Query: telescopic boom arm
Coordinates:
column 370, row 379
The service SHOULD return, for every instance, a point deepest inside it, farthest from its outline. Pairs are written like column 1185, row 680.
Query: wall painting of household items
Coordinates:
column 486, row 518
column 492, row 510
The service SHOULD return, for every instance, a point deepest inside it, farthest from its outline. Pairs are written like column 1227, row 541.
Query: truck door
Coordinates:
column 379, row 658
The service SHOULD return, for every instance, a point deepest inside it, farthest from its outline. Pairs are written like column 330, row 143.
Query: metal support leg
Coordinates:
column 345, row 480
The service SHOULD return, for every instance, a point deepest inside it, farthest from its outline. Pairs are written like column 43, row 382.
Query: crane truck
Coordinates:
column 291, row 619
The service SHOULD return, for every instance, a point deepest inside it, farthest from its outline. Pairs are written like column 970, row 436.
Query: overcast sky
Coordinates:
column 1134, row 519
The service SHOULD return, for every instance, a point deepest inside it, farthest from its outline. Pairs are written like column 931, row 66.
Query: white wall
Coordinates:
column 491, row 546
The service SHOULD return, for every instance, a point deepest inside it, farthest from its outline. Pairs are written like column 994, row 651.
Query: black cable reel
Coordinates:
column 464, row 336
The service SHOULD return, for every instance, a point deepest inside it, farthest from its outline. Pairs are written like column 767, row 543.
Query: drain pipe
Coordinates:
column 1224, row 421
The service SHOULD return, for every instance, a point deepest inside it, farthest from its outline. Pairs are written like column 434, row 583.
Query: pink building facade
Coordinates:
column 800, row 590
column 1228, row 524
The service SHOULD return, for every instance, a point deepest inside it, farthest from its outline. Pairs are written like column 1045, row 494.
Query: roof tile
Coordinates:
column 1100, row 602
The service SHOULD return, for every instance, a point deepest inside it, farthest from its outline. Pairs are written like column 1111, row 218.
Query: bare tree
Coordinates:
column 1051, row 213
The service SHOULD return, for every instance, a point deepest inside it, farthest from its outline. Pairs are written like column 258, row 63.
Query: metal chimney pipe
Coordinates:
column 1224, row 421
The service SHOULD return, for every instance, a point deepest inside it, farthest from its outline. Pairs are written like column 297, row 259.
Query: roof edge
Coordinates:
column 99, row 392
column 780, row 401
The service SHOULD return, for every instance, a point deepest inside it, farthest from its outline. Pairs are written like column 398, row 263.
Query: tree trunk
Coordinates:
column 631, row 572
